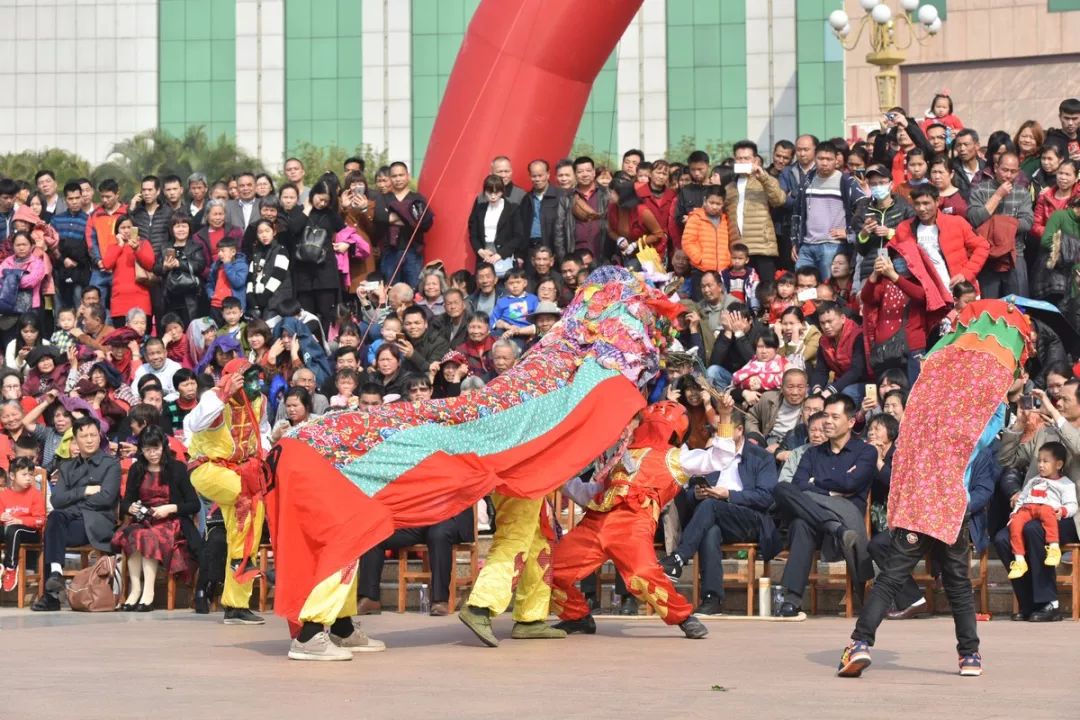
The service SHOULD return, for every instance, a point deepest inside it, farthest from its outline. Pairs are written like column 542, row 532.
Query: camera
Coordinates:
column 140, row 512
column 1029, row 402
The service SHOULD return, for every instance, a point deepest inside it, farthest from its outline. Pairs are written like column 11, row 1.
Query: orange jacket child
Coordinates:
column 707, row 243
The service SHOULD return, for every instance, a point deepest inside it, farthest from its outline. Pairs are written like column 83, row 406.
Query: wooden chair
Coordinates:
column 266, row 552
column 39, row 575
column 170, row 585
column 745, row 579
column 420, row 552
column 1071, row 579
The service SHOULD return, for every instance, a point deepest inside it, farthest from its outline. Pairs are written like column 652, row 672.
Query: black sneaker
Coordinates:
column 46, row 603
column 629, row 606
column 585, row 625
column 55, row 583
column 242, row 616
column 693, row 628
column 710, row 605
column 673, row 565
column 202, row 603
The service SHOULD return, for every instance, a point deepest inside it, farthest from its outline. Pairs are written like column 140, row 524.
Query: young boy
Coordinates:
column 228, row 278
column 513, row 309
column 63, row 338
column 705, row 239
column 232, row 312
column 22, row 511
column 1047, row 497
column 741, row 280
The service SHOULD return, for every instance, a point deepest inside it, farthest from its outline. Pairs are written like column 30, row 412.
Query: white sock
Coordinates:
column 56, row 568
column 1018, row 557
column 1053, row 545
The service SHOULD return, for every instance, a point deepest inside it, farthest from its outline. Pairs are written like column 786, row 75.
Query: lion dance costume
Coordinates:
column 621, row 521
column 954, row 412
column 342, row 483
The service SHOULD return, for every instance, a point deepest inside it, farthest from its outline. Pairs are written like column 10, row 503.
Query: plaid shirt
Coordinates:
column 1016, row 204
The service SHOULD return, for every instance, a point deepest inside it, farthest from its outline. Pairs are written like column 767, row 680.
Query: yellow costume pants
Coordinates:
column 517, row 563
column 222, row 486
column 333, row 598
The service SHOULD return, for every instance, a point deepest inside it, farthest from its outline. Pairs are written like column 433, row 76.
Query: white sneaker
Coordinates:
column 318, row 648
column 358, row 641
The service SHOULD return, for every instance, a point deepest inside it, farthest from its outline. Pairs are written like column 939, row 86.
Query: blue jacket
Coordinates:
column 236, row 272
column 985, row 472
column 757, row 472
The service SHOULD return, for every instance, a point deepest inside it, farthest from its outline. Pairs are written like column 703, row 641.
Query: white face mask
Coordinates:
column 880, row 192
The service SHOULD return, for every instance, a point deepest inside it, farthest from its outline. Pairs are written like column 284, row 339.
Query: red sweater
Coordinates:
column 27, row 506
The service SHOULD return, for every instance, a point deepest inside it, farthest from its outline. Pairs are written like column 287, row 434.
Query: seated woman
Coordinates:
column 893, row 403
column 388, row 370
column 764, row 372
column 54, row 435
column 220, row 352
column 48, row 370
column 699, row 410
column 259, row 338
column 298, row 409
column 477, row 345
column 432, row 287
column 447, row 375
column 28, row 338
column 160, row 502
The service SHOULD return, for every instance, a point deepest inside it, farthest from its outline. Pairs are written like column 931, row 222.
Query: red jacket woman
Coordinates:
column 127, row 293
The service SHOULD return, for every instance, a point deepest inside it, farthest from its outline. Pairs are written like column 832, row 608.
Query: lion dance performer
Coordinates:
column 518, row 566
column 621, row 521
column 229, row 429
column 342, row 483
column 955, row 410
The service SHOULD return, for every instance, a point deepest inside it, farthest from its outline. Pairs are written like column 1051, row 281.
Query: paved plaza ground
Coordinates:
column 180, row 665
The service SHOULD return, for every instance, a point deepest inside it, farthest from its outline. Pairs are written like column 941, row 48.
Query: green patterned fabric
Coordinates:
column 496, row 433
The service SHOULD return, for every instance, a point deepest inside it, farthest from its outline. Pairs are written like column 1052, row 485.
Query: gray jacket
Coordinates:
column 98, row 511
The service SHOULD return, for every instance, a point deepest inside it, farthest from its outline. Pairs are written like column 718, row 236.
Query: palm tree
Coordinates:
column 156, row 152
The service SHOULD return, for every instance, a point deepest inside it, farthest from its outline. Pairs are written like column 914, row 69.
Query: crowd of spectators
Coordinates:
column 815, row 281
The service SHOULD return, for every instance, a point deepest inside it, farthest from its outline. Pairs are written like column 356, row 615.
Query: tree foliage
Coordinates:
column 156, row 152
column 318, row 159
column 24, row 165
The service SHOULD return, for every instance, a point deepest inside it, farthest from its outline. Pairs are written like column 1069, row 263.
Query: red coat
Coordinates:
column 126, row 293
column 964, row 250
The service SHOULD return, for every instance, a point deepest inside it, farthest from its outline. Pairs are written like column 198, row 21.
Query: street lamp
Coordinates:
column 921, row 22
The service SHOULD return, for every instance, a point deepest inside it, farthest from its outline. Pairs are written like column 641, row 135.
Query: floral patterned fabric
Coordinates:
column 961, row 385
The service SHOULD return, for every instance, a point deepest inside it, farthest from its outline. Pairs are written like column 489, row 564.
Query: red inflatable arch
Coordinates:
column 518, row 88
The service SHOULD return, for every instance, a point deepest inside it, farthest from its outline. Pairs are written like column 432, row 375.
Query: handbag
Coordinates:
column 893, row 353
column 93, row 589
column 182, row 281
column 312, row 246
column 145, row 277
